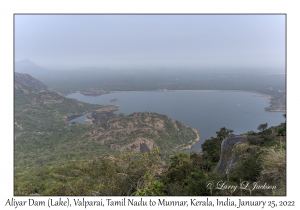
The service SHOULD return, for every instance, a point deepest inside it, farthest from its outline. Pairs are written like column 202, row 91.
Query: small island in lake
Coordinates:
column 94, row 92
column 114, row 100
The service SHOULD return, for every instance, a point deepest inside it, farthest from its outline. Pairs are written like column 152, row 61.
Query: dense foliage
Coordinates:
column 261, row 160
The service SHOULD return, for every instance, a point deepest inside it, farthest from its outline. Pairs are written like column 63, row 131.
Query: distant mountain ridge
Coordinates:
column 29, row 67
column 25, row 62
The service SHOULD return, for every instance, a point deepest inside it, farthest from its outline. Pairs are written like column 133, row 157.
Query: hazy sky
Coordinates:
column 150, row 41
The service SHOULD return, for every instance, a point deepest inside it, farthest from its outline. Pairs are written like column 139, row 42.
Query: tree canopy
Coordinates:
column 262, row 127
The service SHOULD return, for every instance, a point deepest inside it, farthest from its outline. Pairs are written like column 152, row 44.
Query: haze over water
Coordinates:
column 206, row 111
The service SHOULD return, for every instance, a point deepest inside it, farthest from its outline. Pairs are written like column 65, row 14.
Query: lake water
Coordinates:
column 206, row 111
column 81, row 119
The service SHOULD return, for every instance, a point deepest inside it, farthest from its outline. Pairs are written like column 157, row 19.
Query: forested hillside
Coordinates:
column 43, row 136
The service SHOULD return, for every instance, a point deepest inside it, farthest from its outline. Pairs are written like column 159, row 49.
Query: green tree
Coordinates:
column 148, row 185
column 224, row 133
column 262, row 127
column 212, row 146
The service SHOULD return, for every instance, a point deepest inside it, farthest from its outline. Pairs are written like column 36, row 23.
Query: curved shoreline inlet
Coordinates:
column 79, row 118
column 191, row 145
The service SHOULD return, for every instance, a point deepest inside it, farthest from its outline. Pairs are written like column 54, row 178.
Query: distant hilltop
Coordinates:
column 28, row 67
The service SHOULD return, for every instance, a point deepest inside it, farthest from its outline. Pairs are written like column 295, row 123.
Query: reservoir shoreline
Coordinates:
column 268, row 109
column 204, row 110
column 190, row 146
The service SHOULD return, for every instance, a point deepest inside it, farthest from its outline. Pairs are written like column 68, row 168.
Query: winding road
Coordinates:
column 227, row 153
